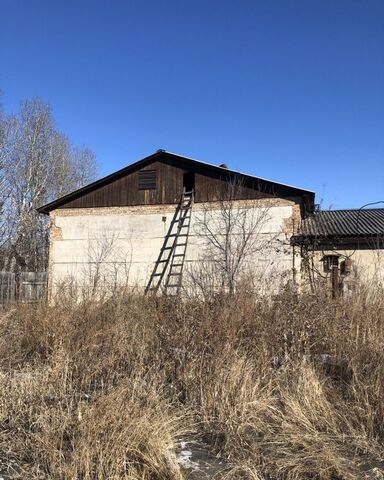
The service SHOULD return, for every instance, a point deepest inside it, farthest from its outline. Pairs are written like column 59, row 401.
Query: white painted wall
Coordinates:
column 123, row 243
column 367, row 266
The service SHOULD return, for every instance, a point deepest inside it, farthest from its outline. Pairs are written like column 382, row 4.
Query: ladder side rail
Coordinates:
column 186, row 244
column 172, row 273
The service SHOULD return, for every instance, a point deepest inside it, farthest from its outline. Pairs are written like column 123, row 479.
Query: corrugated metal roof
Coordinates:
column 344, row 223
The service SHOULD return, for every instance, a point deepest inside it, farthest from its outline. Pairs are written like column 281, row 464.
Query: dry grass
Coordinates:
column 287, row 389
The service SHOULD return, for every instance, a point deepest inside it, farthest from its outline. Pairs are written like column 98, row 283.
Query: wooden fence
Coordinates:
column 24, row 287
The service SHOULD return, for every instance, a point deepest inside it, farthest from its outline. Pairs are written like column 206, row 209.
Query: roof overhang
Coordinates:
column 328, row 242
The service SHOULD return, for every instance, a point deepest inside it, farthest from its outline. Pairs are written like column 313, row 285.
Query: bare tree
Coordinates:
column 39, row 164
column 3, row 189
column 107, row 269
column 232, row 234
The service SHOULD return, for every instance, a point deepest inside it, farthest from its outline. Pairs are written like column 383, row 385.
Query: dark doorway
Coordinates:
column 189, row 181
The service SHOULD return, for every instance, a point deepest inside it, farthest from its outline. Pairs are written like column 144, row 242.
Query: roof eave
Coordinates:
column 334, row 239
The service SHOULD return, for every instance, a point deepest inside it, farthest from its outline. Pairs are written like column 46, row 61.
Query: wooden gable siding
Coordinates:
column 209, row 188
column 122, row 188
column 124, row 191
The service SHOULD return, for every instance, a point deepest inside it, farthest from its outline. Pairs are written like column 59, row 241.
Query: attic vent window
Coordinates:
column 147, row 180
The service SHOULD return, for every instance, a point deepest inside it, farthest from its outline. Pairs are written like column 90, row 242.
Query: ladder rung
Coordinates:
column 181, row 219
column 181, row 245
column 174, row 274
column 179, row 255
column 177, row 265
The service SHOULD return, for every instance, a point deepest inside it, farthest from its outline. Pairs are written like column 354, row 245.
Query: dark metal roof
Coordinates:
column 344, row 223
column 158, row 155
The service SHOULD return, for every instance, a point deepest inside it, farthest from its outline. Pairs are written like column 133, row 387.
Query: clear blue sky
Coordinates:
column 287, row 90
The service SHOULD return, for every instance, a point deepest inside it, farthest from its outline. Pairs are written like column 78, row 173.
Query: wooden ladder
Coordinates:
column 170, row 262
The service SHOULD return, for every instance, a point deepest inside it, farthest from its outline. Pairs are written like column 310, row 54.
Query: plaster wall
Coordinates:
column 367, row 266
column 122, row 243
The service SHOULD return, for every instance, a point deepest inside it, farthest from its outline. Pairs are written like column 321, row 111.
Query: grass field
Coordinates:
column 289, row 388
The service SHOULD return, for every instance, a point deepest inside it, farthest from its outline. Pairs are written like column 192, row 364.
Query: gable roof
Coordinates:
column 338, row 224
column 158, row 156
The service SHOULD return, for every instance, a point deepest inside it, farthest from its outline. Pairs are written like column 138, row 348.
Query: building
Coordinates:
column 345, row 247
column 135, row 228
